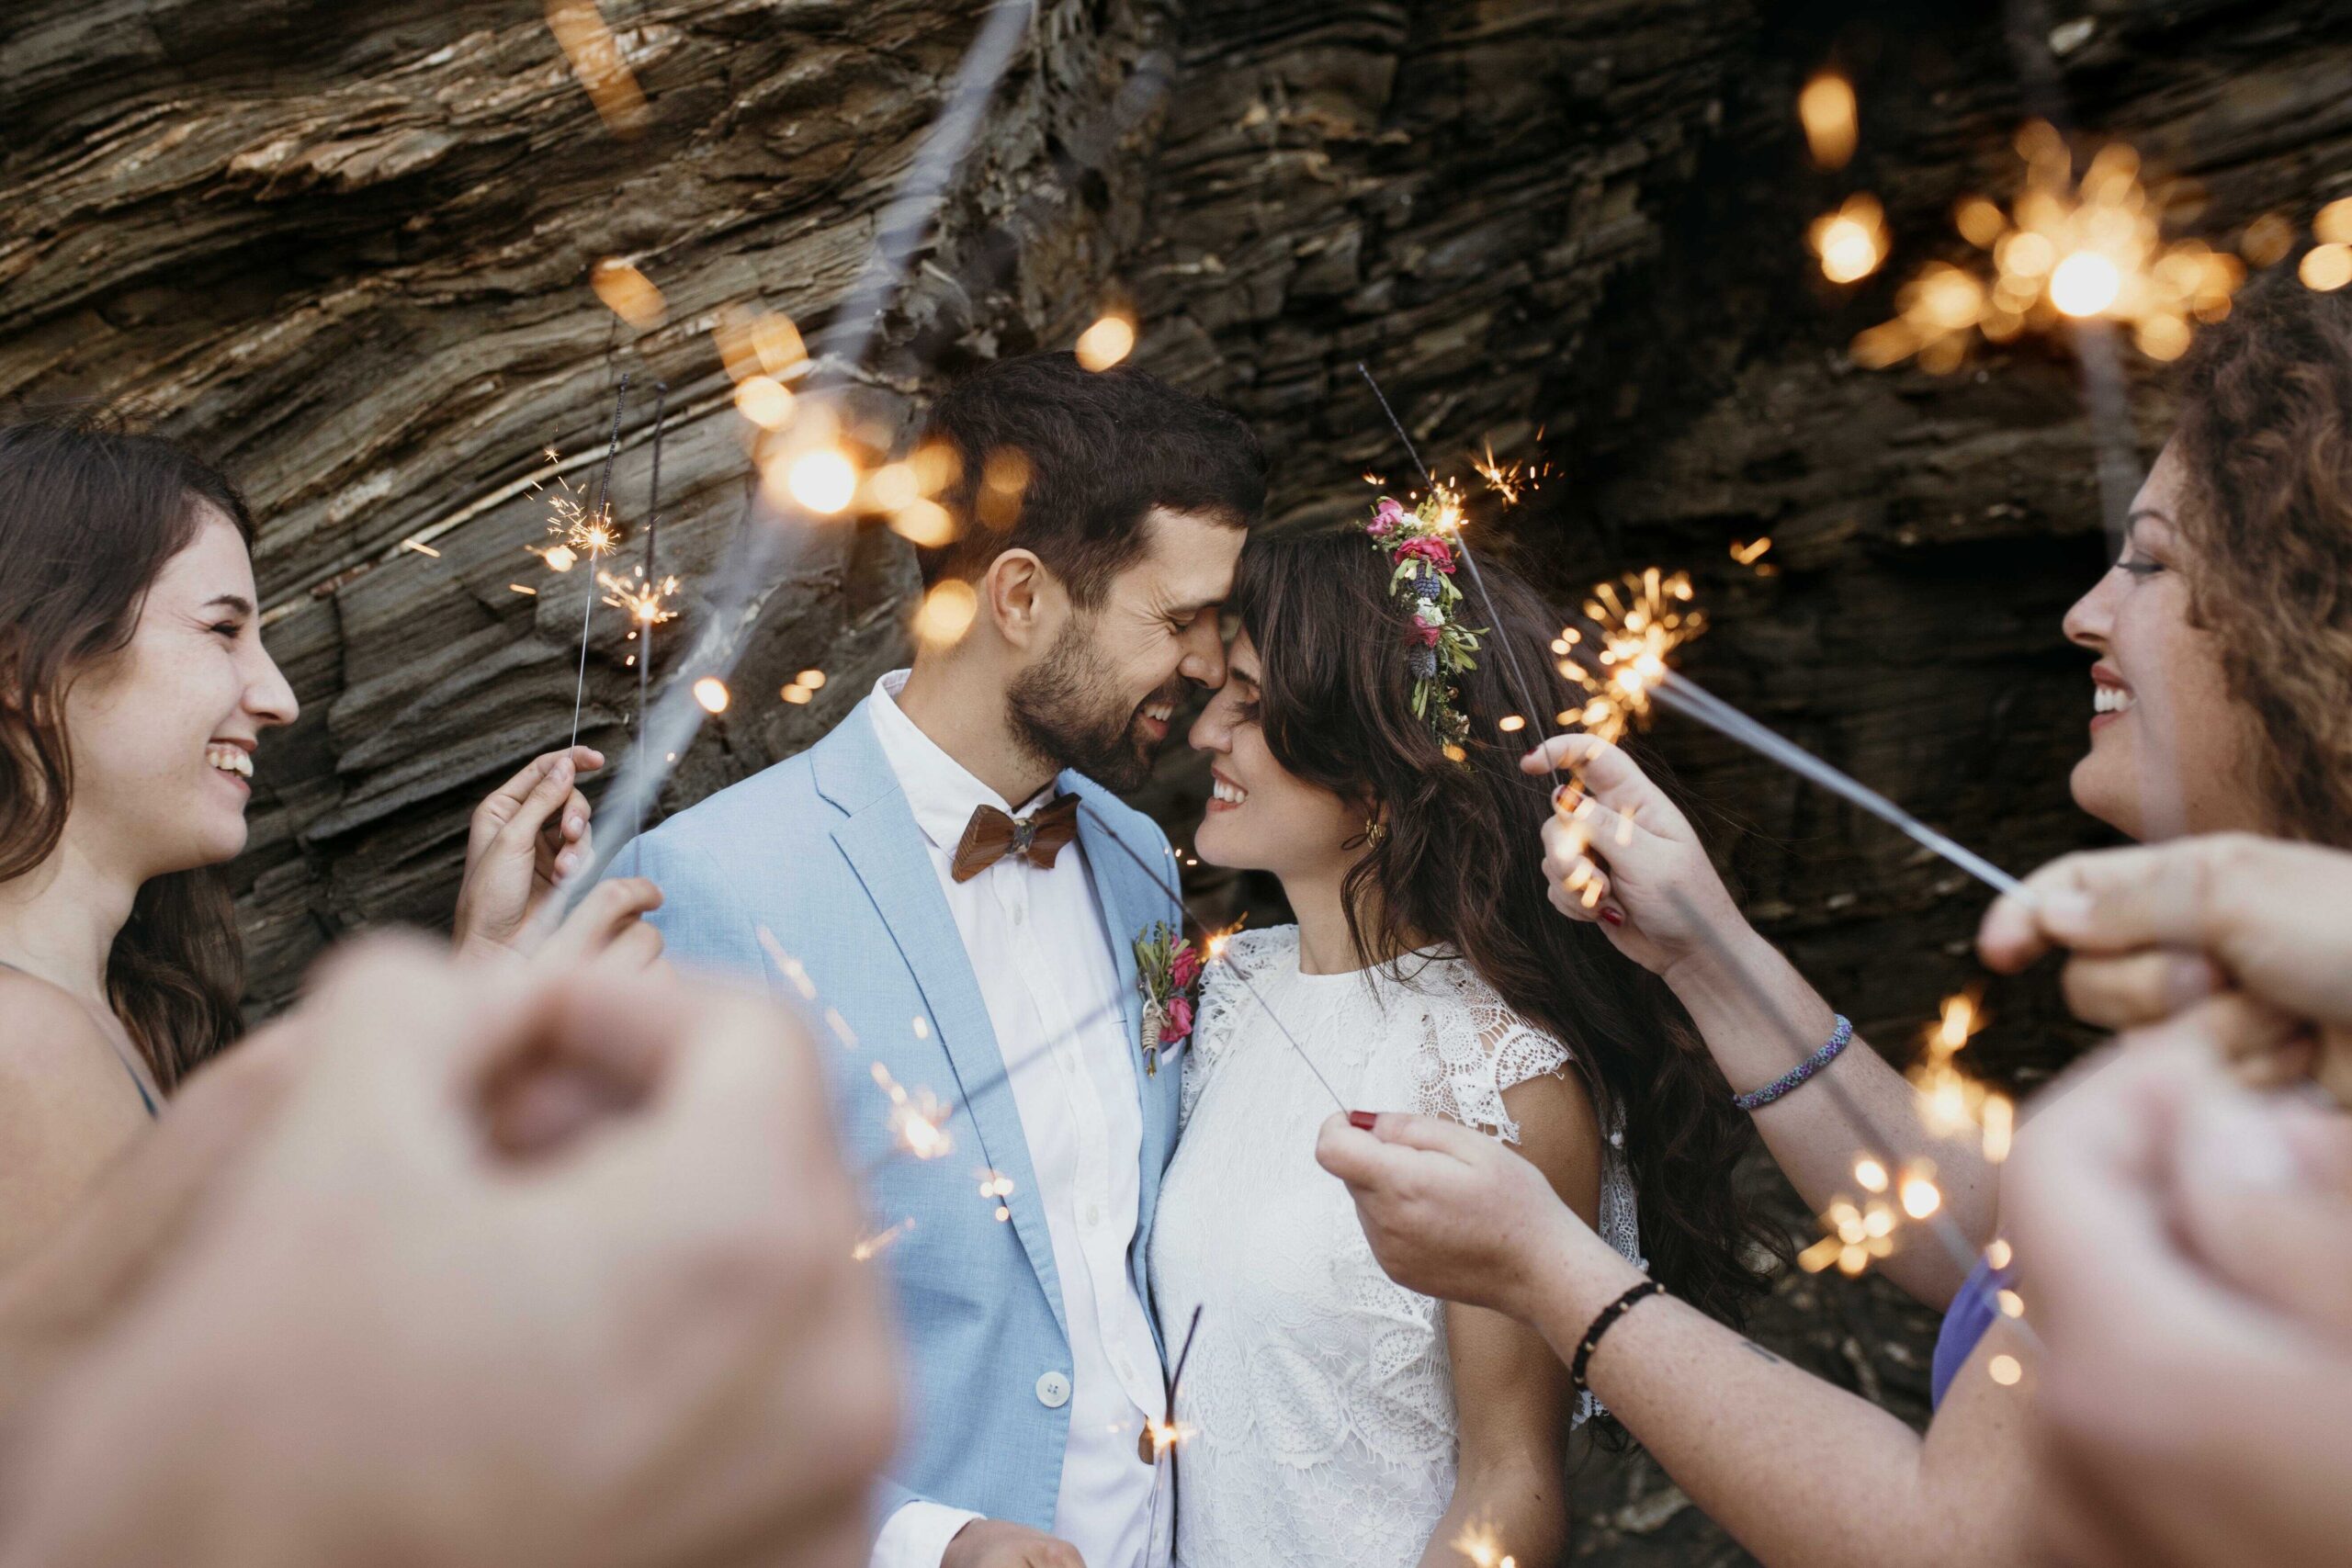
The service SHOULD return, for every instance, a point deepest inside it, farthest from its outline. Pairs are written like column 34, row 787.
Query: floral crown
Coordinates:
column 1423, row 560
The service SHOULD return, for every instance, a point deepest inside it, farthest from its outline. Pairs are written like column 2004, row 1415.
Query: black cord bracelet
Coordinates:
column 1602, row 1322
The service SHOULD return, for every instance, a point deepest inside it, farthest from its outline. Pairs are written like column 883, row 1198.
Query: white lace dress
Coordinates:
column 1317, row 1394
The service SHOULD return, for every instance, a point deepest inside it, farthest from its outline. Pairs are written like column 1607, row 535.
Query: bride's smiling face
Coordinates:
column 1260, row 816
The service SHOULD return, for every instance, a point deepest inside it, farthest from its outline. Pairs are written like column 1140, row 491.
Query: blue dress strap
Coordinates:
column 1970, row 1316
column 137, row 1081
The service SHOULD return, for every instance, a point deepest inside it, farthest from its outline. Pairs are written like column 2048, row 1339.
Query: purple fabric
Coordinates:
column 1973, row 1311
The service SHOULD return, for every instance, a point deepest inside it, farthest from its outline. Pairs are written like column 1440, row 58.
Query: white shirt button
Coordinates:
column 1053, row 1390
column 1094, row 1213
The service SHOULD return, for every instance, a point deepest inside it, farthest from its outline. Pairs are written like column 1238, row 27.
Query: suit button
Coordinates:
column 1053, row 1390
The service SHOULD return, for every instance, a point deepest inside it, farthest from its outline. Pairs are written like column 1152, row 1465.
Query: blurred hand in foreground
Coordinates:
column 526, row 1269
column 2186, row 1252
column 2153, row 929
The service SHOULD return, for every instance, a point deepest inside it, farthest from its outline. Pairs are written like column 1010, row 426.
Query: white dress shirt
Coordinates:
column 1039, row 950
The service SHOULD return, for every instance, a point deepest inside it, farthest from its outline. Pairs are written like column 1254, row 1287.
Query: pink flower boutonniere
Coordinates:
column 1167, row 969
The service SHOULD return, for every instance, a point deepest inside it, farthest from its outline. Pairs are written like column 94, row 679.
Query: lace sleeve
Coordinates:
column 1224, row 1005
column 1474, row 1047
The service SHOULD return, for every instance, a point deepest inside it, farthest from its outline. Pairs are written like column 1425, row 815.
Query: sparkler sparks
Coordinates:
column 1510, row 480
column 1951, row 1100
column 2064, row 251
column 997, row 1187
column 1852, row 242
column 1483, row 1548
column 917, row 1119
column 1637, row 630
column 712, row 694
column 1857, row 1235
column 881, row 1241
column 648, row 603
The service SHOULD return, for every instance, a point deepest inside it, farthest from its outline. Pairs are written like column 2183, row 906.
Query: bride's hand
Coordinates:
column 1617, row 850
column 1452, row 1213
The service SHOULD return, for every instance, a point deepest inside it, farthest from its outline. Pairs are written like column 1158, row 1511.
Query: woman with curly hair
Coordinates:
column 2222, row 701
column 1358, row 755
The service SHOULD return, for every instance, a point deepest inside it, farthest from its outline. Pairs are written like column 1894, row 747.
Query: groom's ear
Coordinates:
column 1022, row 599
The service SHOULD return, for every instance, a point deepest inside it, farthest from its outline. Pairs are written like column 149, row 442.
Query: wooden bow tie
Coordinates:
column 1037, row 838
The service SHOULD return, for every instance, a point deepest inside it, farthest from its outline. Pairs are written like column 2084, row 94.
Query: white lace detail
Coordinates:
column 1318, row 1393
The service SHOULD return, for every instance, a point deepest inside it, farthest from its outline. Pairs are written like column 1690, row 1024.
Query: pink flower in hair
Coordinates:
column 1179, row 1023
column 1386, row 517
column 1436, row 552
column 1429, row 633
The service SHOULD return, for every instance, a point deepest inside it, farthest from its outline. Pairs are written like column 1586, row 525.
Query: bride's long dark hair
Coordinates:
column 1461, row 865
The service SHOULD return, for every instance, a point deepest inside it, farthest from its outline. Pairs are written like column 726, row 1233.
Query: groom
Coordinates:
column 946, row 870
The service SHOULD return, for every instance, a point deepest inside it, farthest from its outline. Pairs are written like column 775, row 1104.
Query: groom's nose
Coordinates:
column 1203, row 660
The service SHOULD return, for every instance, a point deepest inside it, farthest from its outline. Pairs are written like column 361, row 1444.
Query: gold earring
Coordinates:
column 1375, row 830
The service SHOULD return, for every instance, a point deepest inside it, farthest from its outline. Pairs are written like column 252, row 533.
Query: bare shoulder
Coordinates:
column 67, row 1105
column 1559, row 1133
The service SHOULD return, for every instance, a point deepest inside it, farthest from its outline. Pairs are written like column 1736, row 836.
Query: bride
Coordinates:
column 1331, row 1416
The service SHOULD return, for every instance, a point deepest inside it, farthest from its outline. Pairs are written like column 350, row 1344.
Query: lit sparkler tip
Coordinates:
column 1483, row 1547
column 880, row 1241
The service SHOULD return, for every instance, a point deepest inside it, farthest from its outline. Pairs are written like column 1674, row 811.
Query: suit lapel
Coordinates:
column 1132, row 900
column 885, row 847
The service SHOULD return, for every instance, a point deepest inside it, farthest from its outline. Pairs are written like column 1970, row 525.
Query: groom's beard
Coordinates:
column 1067, row 716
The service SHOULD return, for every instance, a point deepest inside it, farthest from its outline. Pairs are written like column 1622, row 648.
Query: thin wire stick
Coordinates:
column 597, row 513
column 645, row 627
column 1686, row 697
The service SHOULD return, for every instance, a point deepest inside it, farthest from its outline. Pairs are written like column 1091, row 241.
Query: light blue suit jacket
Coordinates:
column 822, row 850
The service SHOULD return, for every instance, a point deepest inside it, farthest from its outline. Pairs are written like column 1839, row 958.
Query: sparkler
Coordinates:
column 881, row 1241
column 592, row 532
column 778, row 525
column 918, row 1120
column 2064, row 251
column 1484, row 1548
column 648, row 605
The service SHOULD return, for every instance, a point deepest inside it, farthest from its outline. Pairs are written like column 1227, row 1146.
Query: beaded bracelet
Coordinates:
column 1602, row 1322
column 1756, row 1098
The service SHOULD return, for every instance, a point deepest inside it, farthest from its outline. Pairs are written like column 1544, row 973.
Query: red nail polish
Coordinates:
column 1362, row 1119
column 1611, row 916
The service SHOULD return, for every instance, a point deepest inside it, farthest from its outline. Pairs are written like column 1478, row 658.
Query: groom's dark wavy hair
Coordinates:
column 1462, row 864
column 1093, row 451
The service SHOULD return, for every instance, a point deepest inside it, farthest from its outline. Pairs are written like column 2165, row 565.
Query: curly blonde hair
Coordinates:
column 2266, row 433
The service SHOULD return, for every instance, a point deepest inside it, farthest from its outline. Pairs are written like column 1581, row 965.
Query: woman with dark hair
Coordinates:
column 1358, row 754
column 2223, row 703
column 134, row 693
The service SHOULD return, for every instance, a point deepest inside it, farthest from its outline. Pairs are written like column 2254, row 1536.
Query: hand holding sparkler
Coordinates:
column 1616, row 851
column 2240, row 928
column 525, row 838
